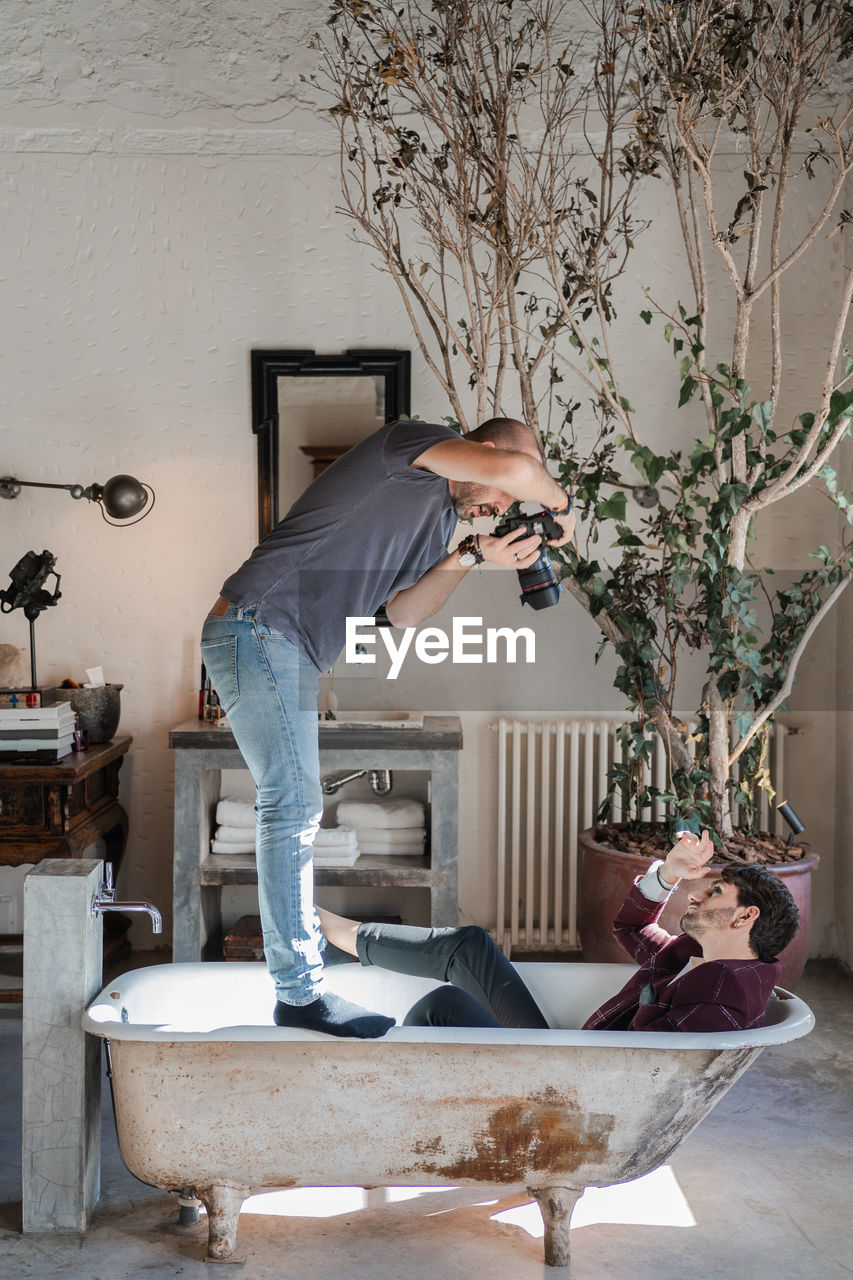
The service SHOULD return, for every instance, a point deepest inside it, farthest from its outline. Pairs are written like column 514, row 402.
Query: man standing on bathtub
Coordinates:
column 373, row 530
column 717, row 975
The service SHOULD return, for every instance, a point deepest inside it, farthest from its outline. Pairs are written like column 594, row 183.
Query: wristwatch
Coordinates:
column 469, row 551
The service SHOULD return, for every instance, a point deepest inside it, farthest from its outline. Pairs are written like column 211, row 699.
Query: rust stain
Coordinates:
column 545, row 1133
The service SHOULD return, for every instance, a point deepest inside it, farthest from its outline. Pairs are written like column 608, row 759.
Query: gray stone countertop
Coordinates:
column 439, row 733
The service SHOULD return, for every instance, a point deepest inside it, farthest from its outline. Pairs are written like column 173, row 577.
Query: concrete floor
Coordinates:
column 762, row 1190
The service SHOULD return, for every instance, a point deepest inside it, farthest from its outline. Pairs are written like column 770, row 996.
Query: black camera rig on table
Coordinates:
column 28, row 592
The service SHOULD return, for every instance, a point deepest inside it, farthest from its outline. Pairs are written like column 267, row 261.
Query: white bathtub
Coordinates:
column 210, row 1096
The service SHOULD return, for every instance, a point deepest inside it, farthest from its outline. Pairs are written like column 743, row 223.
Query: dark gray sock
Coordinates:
column 333, row 1015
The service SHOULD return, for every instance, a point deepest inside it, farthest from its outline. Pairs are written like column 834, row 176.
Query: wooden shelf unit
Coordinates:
column 203, row 750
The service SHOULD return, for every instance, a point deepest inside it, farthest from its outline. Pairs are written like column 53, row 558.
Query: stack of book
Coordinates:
column 36, row 735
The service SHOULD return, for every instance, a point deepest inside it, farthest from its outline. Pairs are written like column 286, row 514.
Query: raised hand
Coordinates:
column 567, row 522
column 686, row 861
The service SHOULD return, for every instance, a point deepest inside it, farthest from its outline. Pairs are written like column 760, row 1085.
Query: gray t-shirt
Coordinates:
column 369, row 525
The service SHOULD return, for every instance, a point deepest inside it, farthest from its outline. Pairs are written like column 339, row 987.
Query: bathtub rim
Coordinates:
column 102, row 1018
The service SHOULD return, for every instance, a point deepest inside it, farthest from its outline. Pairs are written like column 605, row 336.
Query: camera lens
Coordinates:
column 539, row 587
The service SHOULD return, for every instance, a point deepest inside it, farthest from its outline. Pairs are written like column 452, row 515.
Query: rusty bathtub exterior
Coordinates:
column 210, row 1096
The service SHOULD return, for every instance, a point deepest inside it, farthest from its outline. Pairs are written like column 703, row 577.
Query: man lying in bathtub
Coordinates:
column 717, row 975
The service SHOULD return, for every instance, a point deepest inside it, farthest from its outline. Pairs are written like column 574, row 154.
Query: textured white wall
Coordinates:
column 842, row 773
column 167, row 203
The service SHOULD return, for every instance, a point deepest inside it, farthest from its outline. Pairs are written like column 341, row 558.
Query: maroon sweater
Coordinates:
column 718, row 995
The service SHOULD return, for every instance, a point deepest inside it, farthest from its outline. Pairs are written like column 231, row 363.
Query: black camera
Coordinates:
column 28, row 591
column 539, row 587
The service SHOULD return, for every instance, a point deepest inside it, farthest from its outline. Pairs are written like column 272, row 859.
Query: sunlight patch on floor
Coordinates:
column 393, row 1194
column 308, row 1202
column 475, row 1204
column 330, row 1202
column 653, row 1201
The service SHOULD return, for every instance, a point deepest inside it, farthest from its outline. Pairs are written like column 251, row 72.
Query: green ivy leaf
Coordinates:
column 612, row 508
column 688, row 388
column 761, row 413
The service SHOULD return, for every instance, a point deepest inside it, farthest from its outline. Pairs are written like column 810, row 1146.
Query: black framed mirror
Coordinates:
column 309, row 408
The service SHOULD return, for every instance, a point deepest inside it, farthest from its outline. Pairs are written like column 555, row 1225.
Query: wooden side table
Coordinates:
column 59, row 810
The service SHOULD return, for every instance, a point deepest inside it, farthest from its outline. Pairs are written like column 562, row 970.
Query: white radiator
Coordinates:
column 552, row 778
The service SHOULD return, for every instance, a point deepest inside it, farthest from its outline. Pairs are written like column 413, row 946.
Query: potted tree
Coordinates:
column 492, row 164
column 686, row 577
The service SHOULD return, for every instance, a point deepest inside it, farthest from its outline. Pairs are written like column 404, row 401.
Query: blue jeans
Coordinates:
column 268, row 690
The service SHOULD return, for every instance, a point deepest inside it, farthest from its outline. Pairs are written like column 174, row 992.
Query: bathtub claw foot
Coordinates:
column 556, row 1205
column 223, row 1215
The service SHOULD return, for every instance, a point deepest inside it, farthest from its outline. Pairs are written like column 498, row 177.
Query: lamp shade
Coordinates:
column 123, row 497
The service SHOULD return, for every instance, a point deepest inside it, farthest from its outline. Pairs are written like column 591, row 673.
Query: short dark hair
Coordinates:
column 778, row 917
column 506, row 433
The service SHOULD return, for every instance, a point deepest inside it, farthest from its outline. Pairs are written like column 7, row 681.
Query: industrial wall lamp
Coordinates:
column 122, row 497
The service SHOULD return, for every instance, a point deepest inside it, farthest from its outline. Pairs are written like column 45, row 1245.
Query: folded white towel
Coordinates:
column 235, row 813
column 392, row 836
column 390, row 813
column 232, row 846
column 335, row 837
column 388, row 851
column 338, row 858
column 402, row 844
column 236, row 835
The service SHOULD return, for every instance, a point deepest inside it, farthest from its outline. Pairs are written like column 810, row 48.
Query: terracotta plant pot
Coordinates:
column 607, row 875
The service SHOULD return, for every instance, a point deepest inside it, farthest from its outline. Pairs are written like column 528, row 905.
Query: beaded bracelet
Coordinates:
column 562, row 510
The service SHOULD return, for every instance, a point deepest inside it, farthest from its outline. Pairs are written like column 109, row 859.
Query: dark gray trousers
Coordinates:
column 486, row 991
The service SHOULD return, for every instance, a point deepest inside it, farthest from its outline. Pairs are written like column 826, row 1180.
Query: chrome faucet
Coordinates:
column 105, row 900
